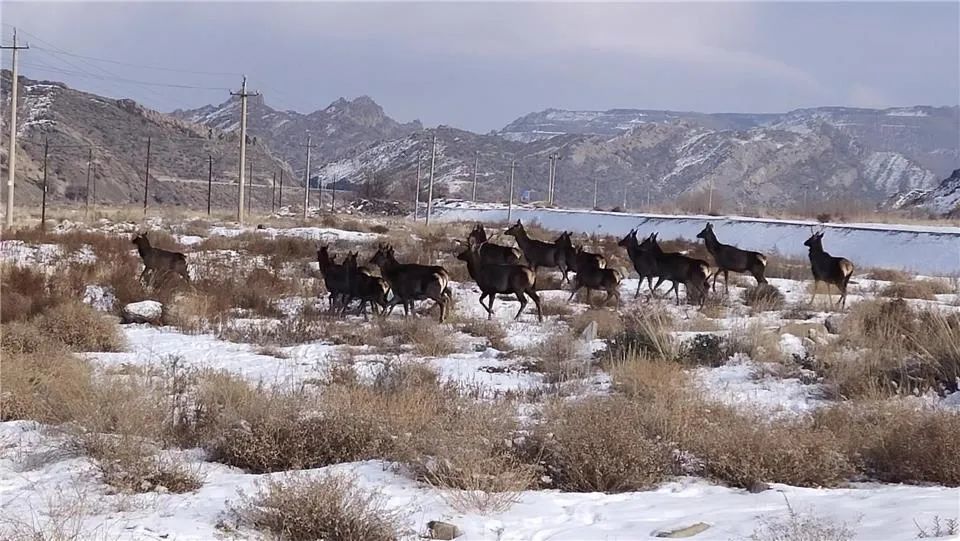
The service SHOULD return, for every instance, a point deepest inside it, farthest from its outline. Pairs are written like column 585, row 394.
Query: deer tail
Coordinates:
column 763, row 259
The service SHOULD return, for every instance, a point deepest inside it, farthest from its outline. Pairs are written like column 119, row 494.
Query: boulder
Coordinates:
column 142, row 312
column 804, row 329
column 832, row 324
column 442, row 530
column 687, row 531
column 589, row 333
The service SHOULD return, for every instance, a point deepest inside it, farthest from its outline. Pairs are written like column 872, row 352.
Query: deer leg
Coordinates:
column 659, row 281
column 523, row 304
column 676, row 291
column 576, row 287
column 639, row 283
column 442, row 303
column 726, row 281
column 816, row 286
column 536, row 300
column 715, row 276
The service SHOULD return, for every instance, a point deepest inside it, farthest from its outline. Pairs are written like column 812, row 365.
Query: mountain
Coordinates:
column 337, row 131
column 768, row 160
column 944, row 200
column 74, row 122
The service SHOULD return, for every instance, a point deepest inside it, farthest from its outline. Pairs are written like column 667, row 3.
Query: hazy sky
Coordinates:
column 480, row 65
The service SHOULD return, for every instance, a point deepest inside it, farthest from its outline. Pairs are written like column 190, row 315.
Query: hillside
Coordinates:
column 338, row 130
column 944, row 200
column 117, row 130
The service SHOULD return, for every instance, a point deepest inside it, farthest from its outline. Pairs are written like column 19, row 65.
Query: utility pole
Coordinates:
column 552, row 160
column 209, row 180
column 280, row 196
column 86, row 207
column 43, row 204
column 553, row 179
column 624, row 194
column 513, row 165
column 250, row 187
column 596, row 183
column 333, row 194
column 476, row 164
column 416, row 201
column 306, row 179
column 433, row 161
column 710, row 199
column 12, row 155
column 243, row 94
column 146, row 179
column 273, row 193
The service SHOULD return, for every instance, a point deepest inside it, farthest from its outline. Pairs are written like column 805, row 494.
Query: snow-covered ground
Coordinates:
column 35, row 475
column 923, row 249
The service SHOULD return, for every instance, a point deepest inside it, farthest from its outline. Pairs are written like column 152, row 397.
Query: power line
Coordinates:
column 142, row 66
column 130, row 81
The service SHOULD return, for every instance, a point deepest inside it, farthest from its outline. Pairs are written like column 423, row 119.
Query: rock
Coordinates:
column 142, row 312
column 757, row 487
column 688, row 531
column 99, row 297
column 832, row 324
column 261, row 226
column 443, row 530
column 804, row 329
column 589, row 333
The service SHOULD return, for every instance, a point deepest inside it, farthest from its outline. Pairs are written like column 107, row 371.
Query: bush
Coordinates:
column 744, row 450
column 763, row 298
column 704, row 350
column 896, row 442
column 427, row 337
column 609, row 323
column 45, row 387
column 644, row 332
column 599, row 445
column 301, row 508
column 558, row 358
column 801, row 527
column 80, row 328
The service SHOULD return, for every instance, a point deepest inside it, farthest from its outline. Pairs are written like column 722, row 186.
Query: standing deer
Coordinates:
column 364, row 286
column 592, row 276
column 155, row 259
column 334, row 278
column 679, row 269
column 494, row 278
column 537, row 252
column 730, row 258
column 576, row 257
column 644, row 262
column 828, row 269
column 412, row 282
column 493, row 253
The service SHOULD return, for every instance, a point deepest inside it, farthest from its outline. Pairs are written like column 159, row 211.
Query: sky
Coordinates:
column 479, row 66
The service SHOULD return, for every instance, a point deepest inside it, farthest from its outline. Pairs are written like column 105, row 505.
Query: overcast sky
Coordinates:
column 480, row 65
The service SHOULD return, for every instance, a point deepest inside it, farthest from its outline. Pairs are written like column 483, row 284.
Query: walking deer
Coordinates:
column 493, row 253
column 678, row 269
column 644, row 261
column 828, row 269
column 537, row 252
column 593, row 276
column 576, row 257
column 496, row 278
column 364, row 286
column 412, row 282
column 335, row 278
column 730, row 258
column 155, row 259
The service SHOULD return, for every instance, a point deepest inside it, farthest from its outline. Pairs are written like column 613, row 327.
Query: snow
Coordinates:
column 19, row 253
column 892, row 172
column 99, row 297
column 907, row 112
column 924, row 249
column 321, row 234
column 735, row 384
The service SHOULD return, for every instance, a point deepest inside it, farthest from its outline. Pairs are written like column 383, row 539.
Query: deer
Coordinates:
column 644, row 262
column 364, row 286
column 493, row 278
column 493, row 253
column 334, row 278
column 828, row 269
column 537, row 252
column 576, row 257
column 593, row 276
column 678, row 268
column 155, row 259
column 730, row 258
column 412, row 282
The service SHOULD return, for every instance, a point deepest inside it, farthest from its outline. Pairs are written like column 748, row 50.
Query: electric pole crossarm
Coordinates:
column 12, row 155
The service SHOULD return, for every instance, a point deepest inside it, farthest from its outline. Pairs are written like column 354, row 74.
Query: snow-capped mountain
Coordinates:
column 944, row 200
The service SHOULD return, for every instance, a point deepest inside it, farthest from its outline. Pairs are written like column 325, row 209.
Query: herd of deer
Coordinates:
column 499, row 269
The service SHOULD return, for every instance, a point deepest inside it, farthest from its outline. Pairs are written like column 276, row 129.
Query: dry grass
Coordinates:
column 426, row 335
column 609, row 323
column 896, row 441
column 796, row 526
column 559, row 358
column 646, row 332
column 301, row 508
column 916, row 289
column 492, row 330
column 70, row 325
column 555, row 307
column 763, row 298
column 888, row 275
column 599, row 445
column 46, row 387
column 755, row 341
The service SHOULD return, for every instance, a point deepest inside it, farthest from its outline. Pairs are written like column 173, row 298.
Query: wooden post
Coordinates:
column 43, row 204
column 146, row 180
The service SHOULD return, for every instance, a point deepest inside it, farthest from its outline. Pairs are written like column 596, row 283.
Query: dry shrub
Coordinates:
column 787, row 268
column 427, row 337
column 45, row 387
column 705, row 350
column 888, row 275
column 555, row 307
column 896, row 441
column 130, row 466
column 302, row 508
column 648, row 380
column 745, row 450
column 755, row 341
column 492, row 330
column 914, row 289
column 24, row 293
column 599, row 445
column 763, row 298
column 609, row 322
column 80, row 328
column 558, row 357
column 646, row 332
column 797, row 526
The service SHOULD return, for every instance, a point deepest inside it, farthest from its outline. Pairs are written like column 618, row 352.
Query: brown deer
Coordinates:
column 643, row 261
column 537, row 252
column 828, row 269
column 679, row 269
column 412, row 282
column 493, row 253
column 494, row 278
column 591, row 275
column 730, row 258
column 155, row 259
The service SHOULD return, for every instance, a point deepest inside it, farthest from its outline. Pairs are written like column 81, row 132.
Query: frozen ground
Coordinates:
column 35, row 476
column 922, row 249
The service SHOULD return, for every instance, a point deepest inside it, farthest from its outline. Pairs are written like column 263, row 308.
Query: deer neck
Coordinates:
column 711, row 242
column 143, row 249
